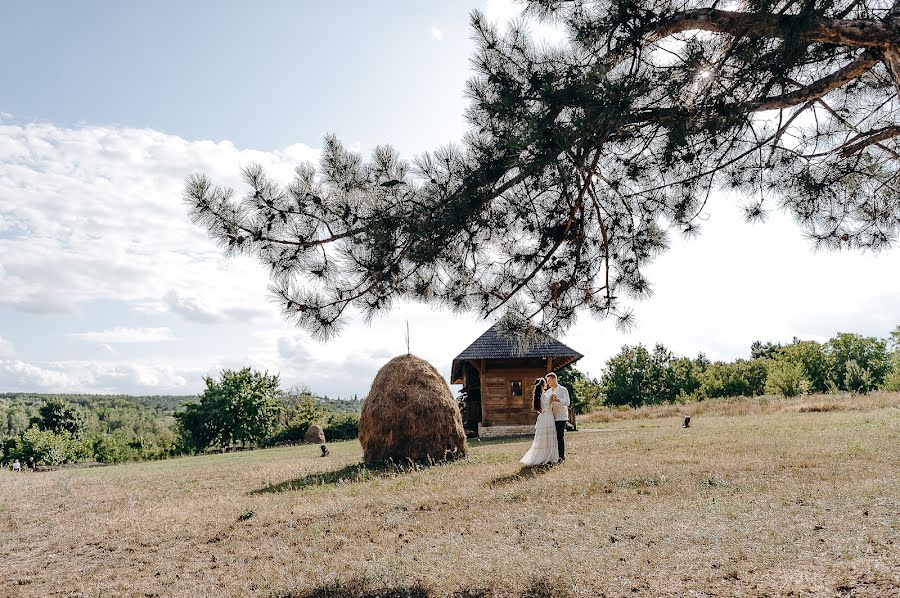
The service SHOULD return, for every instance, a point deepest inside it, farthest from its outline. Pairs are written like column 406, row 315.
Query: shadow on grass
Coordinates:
column 350, row 474
column 362, row 588
column 475, row 442
column 525, row 473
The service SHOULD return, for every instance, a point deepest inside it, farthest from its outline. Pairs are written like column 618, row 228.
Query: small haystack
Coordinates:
column 410, row 415
column 314, row 435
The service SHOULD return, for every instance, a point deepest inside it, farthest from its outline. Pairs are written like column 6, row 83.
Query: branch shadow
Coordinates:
column 525, row 473
column 350, row 474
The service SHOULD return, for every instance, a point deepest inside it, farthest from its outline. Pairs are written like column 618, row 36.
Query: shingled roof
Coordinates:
column 495, row 344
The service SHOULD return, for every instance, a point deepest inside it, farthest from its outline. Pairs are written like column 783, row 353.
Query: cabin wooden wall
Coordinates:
column 499, row 406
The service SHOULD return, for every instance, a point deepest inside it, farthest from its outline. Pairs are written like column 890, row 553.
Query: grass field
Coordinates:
column 788, row 500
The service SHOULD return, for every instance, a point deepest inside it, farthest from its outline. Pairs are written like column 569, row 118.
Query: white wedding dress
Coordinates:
column 544, row 449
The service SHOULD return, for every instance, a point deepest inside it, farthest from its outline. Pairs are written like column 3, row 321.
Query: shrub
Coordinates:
column 786, row 379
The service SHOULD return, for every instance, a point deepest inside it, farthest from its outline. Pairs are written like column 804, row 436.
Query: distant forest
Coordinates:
column 55, row 428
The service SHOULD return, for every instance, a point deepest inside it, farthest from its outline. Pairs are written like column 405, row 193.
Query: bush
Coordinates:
column 787, row 379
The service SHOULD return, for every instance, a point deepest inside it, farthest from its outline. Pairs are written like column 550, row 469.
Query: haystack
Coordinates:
column 314, row 435
column 410, row 415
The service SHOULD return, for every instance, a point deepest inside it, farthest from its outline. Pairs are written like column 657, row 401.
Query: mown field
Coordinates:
column 801, row 497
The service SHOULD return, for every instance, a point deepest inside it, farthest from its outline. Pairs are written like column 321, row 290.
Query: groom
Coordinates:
column 559, row 404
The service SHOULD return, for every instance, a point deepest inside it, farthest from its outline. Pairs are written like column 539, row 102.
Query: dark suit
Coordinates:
column 561, row 437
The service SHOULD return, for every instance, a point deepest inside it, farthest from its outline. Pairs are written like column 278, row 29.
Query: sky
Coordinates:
column 106, row 286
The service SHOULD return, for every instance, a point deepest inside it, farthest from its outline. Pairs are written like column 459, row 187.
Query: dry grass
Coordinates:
column 748, row 406
column 776, row 503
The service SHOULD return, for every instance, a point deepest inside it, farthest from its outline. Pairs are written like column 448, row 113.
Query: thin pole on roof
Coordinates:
column 407, row 337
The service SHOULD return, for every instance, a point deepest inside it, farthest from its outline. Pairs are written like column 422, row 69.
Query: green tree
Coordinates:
column 684, row 374
column 811, row 358
column 580, row 162
column 241, row 407
column 57, row 415
column 735, row 379
column 892, row 379
column 48, row 447
column 17, row 420
column 637, row 377
column 624, row 378
column 787, row 379
column 585, row 393
column 305, row 411
column 342, row 426
column 760, row 350
column 857, row 363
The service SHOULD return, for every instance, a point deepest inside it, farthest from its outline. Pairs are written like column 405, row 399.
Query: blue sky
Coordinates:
column 262, row 75
column 106, row 286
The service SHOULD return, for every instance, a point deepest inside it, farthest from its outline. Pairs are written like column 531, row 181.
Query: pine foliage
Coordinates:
column 583, row 159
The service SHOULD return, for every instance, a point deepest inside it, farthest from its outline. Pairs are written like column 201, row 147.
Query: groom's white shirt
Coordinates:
column 561, row 409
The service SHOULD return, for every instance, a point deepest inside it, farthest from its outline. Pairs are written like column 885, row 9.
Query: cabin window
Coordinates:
column 516, row 388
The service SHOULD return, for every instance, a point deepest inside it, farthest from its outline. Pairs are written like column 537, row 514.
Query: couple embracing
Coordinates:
column 551, row 401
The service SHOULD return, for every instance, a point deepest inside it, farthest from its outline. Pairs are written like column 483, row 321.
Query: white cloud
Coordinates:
column 16, row 374
column 436, row 33
column 6, row 347
column 204, row 310
column 87, row 376
column 121, row 334
column 96, row 213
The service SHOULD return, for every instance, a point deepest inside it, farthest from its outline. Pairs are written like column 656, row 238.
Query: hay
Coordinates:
column 409, row 415
column 314, row 435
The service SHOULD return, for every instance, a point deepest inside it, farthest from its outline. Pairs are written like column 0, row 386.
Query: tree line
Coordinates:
column 640, row 376
column 240, row 408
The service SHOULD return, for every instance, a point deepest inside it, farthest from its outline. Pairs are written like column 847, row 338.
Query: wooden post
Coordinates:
column 482, row 370
column 549, row 364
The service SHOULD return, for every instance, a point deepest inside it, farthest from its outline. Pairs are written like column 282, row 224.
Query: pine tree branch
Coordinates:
column 863, row 140
column 857, row 33
column 813, row 91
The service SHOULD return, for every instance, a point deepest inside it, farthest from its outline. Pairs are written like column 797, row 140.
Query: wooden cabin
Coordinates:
column 498, row 373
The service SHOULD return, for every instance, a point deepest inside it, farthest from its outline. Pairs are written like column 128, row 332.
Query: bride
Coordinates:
column 544, row 449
